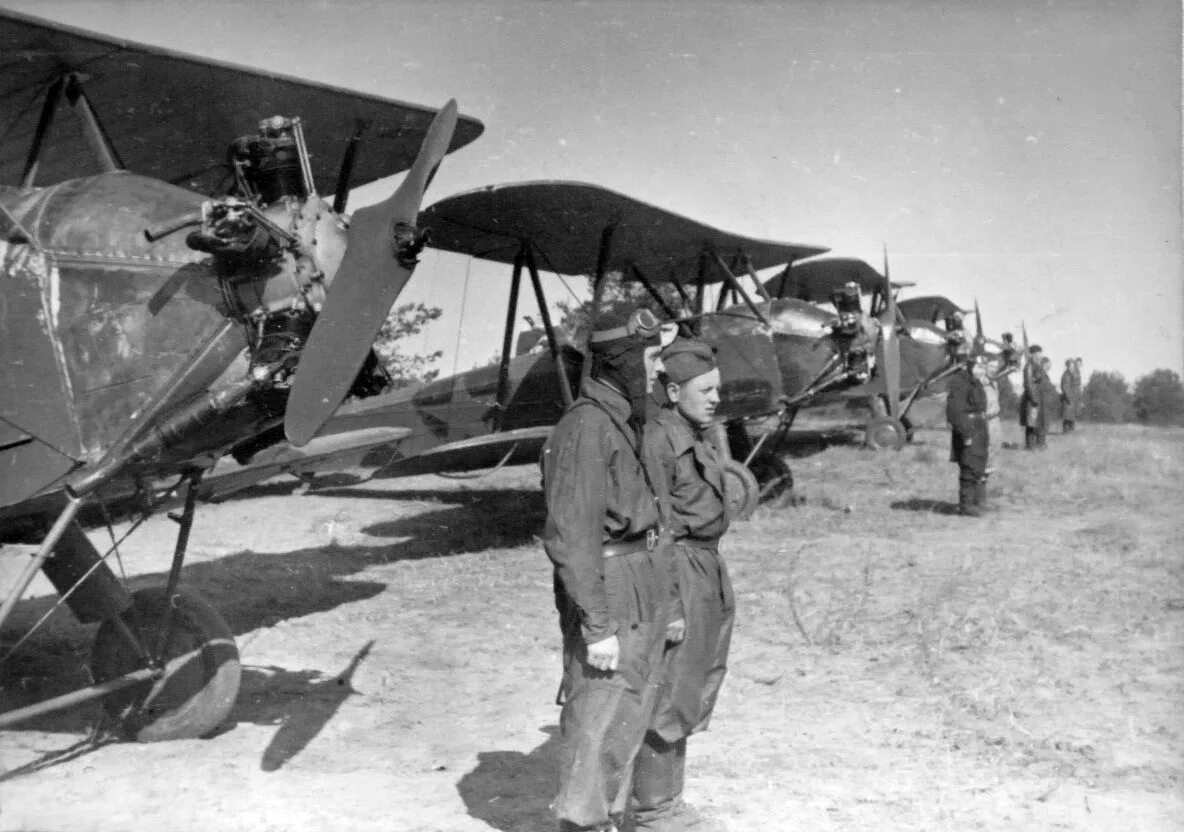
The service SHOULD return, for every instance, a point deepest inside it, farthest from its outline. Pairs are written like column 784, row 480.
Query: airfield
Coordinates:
column 895, row 666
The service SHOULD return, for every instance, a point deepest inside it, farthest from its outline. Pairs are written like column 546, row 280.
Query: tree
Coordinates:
column 404, row 321
column 1106, row 398
column 1159, row 398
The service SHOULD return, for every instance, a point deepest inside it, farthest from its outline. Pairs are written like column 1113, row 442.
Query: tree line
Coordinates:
column 1156, row 398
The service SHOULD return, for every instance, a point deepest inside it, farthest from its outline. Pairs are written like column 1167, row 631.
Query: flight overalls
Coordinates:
column 612, row 577
column 966, row 405
column 695, row 667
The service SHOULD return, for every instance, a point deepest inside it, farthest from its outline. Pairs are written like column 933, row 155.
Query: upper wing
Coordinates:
column 929, row 308
column 171, row 116
column 565, row 220
column 815, row 280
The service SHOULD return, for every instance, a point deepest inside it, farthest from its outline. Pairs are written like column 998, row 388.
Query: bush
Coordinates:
column 1106, row 398
column 408, row 319
column 1159, row 398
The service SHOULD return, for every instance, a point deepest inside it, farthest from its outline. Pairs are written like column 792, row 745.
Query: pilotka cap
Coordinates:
column 685, row 359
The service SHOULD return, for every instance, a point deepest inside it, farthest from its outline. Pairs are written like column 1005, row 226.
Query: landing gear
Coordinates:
column 885, row 433
column 773, row 475
column 742, row 492
column 197, row 663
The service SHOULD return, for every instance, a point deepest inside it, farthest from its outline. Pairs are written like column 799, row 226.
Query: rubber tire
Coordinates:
column 202, row 669
column 742, row 491
column 773, row 475
column 887, row 433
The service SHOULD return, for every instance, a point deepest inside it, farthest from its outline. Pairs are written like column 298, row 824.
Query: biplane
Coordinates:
column 779, row 352
column 179, row 283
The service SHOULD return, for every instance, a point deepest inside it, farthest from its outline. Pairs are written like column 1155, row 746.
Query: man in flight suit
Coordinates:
column 1033, row 413
column 966, row 404
column 692, row 472
column 613, row 581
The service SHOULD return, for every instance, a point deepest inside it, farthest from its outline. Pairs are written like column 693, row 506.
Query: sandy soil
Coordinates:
column 895, row 667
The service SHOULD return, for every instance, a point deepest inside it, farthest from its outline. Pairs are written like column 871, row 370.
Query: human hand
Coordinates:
column 604, row 655
column 676, row 630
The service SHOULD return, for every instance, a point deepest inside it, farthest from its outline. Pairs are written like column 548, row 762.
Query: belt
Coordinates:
column 647, row 541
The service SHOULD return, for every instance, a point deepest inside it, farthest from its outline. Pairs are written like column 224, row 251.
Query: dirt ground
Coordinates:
column 895, row 666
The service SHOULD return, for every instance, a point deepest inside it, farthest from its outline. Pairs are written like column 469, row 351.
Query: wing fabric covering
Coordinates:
column 171, row 116
column 564, row 221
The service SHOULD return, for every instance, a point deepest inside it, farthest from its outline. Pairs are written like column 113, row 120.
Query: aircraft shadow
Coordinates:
column 253, row 590
column 924, row 504
column 512, row 791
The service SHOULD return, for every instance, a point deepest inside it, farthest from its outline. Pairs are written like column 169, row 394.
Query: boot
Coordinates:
column 980, row 496
column 967, row 505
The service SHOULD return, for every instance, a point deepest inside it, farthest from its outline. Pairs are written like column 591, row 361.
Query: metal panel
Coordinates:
column 171, row 116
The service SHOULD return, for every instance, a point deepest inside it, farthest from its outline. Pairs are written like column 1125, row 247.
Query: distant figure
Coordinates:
column 1033, row 412
column 966, row 407
column 956, row 341
column 1070, row 394
column 1050, row 396
column 1009, row 360
column 988, row 375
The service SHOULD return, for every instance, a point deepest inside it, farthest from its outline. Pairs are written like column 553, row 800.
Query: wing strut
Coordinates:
column 92, row 128
column 49, row 108
column 503, row 369
column 598, row 283
column 564, row 385
column 738, row 289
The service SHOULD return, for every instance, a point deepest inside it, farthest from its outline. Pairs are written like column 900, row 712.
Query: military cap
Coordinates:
column 620, row 327
column 685, row 359
column 1035, row 348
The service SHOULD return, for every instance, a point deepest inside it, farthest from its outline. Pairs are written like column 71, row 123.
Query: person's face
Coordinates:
column 697, row 398
column 979, row 370
column 653, row 366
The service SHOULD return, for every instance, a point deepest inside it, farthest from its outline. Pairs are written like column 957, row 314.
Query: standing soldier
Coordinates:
column 1070, row 395
column 966, row 405
column 692, row 470
column 613, row 582
column 1033, row 416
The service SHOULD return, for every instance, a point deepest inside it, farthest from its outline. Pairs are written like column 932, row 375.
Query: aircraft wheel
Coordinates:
column 202, row 669
column 741, row 490
column 773, row 476
column 884, row 433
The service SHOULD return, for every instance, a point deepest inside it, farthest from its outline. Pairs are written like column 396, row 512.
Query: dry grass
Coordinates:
column 895, row 667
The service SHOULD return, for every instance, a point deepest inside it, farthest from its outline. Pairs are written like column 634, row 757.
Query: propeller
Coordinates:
column 380, row 255
column 890, row 345
column 980, row 340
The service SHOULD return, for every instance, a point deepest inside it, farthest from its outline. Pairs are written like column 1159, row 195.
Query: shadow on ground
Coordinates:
column 925, row 504
column 253, row 590
column 512, row 791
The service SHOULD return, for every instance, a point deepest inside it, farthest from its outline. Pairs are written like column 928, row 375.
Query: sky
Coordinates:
column 1024, row 154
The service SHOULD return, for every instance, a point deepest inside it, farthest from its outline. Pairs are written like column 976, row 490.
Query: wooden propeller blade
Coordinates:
column 890, row 345
column 366, row 285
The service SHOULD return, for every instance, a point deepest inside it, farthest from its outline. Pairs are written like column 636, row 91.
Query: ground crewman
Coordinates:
column 966, row 405
column 694, row 479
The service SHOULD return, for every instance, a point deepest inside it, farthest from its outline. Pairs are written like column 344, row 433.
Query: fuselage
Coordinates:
column 107, row 332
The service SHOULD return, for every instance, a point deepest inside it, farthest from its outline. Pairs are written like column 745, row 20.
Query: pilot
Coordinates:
column 612, row 570
column 692, row 473
column 966, row 406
